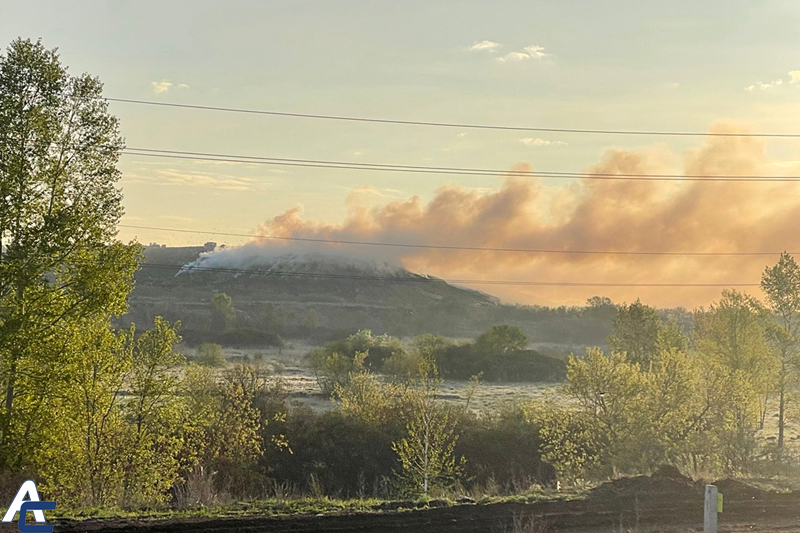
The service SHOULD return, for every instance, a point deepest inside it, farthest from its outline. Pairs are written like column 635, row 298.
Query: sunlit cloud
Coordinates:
column 794, row 77
column 764, row 86
column 479, row 46
column 531, row 141
column 529, row 52
column 164, row 86
column 177, row 218
column 196, row 179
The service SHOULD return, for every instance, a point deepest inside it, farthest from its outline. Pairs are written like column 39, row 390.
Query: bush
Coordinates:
column 248, row 338
column 402, row 365
column 347, row 456
column 210, row 354
column 504, row 448
column 462, row 362
column 331, row 369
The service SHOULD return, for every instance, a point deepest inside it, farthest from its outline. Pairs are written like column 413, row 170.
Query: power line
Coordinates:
column 351, row 165
column 451, row 247
column 450, row 124
column 424, row 279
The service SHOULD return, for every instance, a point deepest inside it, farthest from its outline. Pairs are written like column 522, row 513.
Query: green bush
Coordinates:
column 210, row 354
column 248, row 338
column 462, row 362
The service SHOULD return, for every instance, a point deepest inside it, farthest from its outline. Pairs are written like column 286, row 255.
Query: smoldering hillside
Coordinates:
column 344, row 293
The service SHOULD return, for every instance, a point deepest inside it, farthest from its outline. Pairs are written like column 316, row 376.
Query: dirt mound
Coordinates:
column 662, row 483
column 733, row 489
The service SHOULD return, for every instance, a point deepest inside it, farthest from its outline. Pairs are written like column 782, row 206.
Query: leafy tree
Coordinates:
column 152, row 410
column 569, row 438
column 600, row 307
column 223, row 310
column 429, row 345
column 220, row 425
column 731, row 335
column 331, row 369
column 61, row 267
column 638, row 332
column 210, row 354
column 266, row 399
column 402, row 365
column 81, row 457
column 501, row 339
column 609, row 387
column 427, row 452
column 599, row 301
column 366, row 397
column 781, row 285
column 644, row 418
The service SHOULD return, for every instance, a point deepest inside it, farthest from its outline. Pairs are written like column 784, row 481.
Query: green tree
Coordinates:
column 366, row 397
column 608, row 387
column 600, row 307
column 81, row 456
column 781, row 285
column 427, row 452
column 60, row 264
column 221, row 428
column 569, row 438
column 331, row 369
column 152, row 409
column 639, row 333
column 223, row 310
column 501, row 339
column 732, row 335
column 429, row 345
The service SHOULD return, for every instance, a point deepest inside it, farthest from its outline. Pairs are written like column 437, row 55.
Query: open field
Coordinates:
column 302, row 386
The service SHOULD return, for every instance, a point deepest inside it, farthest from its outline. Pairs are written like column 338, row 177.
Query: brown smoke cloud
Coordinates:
column 693, row 216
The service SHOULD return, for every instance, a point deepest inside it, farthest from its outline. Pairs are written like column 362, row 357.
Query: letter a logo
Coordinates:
column 22, row 506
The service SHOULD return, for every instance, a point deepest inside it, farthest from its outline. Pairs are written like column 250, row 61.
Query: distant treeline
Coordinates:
column 498, row 354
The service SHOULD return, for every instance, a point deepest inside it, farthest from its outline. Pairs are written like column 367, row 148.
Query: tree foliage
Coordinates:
column 501, row 339
column 61, row 268
column 781, row 285
column 427, row 451
column 638, row 332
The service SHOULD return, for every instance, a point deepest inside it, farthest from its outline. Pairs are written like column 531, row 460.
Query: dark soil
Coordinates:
column 661, row 502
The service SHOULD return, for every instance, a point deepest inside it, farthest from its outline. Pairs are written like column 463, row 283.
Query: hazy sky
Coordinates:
column 640, row 65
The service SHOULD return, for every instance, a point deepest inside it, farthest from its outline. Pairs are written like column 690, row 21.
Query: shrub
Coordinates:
column 210, row 354
column 248, row 338
column 462, row 362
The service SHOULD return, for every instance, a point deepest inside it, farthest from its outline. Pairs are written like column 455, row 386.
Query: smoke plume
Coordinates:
column 677, row 216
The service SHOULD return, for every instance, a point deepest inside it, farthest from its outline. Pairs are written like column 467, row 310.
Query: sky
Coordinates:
column 731, row 66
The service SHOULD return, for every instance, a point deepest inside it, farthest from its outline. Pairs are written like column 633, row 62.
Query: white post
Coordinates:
column 710, row 510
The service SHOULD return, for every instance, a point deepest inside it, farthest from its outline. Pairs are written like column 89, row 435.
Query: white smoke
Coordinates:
column 264, row 258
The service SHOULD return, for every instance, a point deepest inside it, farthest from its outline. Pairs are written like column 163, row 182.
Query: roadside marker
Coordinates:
column 713, row 505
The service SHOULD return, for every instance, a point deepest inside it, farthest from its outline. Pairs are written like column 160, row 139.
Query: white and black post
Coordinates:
column 710, row 510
